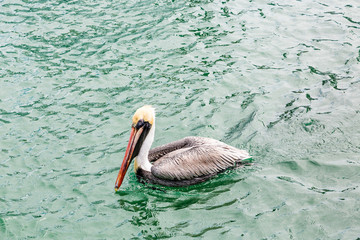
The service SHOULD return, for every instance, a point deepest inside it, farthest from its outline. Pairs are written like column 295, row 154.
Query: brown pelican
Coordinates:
column 188, row 161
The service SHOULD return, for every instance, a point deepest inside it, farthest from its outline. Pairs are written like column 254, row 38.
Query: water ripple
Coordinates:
column 280, row 80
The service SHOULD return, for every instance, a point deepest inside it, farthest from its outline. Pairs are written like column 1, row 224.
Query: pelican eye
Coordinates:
column 142, row 124
column 139, row 124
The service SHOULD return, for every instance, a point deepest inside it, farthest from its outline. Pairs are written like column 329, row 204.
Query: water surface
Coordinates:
column 278, row 79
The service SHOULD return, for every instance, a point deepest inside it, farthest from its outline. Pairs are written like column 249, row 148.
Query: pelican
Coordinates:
column 185, row 162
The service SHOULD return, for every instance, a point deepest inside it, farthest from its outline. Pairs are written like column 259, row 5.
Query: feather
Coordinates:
column 193, row 157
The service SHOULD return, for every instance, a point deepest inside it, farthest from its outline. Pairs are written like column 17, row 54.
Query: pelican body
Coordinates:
column 185, row 162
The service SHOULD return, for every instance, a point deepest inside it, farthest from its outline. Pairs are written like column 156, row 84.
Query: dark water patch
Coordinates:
column 276, row 208
column 222, row 205
column 289, row 114
column 2, row 226
column 133, row 205
column 322, row 191
column 350, row 189
column 290, row 180
column 4, row 121
column 332, row 77
column 313, row 125
column 351, row 20
column 235, row 132
column 205, row 230
column 181, row 204
column 292, row 165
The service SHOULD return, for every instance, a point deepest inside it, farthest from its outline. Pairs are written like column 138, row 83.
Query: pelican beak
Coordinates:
column 133, row 144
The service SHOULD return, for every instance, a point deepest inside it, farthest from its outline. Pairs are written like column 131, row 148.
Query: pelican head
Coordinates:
column 142, row 122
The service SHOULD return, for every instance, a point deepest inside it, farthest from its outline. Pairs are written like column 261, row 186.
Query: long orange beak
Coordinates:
column 134, row 137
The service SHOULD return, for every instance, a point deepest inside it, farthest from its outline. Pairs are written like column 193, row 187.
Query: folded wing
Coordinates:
column 194, row 157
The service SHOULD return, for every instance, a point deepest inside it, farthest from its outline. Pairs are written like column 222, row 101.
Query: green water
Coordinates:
column 280, row 79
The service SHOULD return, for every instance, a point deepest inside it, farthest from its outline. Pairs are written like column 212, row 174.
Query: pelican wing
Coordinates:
column 158, row 152
column 197, row 161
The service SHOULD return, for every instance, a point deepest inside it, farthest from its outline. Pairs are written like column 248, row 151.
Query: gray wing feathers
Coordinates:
column 202, row 157
column 158, row 152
